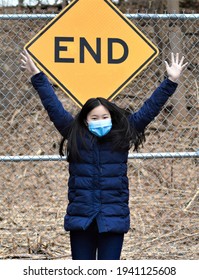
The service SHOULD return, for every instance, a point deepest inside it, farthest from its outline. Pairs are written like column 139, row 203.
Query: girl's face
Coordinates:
column 98, row 113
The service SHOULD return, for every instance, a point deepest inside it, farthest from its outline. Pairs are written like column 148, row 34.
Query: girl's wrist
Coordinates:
column 172, row 79
column 35, row 71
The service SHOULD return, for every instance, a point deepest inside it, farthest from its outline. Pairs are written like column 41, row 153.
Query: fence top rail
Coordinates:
column 131, row 16
column 131, row 156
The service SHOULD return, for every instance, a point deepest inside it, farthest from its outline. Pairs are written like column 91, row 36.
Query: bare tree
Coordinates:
column 64, row 3
column 150, row 6
column 21, row 3
column 178, row 100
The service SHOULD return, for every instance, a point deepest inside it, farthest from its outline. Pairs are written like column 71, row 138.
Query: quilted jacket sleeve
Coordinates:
column 58, row 115
column 153, row 105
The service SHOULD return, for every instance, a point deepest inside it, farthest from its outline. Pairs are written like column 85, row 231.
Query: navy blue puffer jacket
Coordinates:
column 98, row 187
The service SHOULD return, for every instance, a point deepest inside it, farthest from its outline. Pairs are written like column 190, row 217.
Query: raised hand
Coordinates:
column 175, row 70
column 28, row 64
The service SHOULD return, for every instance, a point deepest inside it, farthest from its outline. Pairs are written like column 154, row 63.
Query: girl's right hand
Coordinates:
column 28, row 64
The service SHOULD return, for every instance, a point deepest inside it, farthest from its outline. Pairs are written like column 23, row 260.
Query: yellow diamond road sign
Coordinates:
column 91, row 49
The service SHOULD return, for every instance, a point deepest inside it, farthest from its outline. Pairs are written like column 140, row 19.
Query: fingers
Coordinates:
column 22, row 55
column 167, row 65
column 184, row 65
column 25, row 59
column 27, row 63
column 175, row 60
column 172, row 58
column 25, row 55
column 22, row 68
column 181, row 61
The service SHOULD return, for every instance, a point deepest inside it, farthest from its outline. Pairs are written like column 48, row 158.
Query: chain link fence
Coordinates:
column 163, row 177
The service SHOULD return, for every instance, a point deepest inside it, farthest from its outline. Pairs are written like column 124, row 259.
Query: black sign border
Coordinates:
column 59, row 83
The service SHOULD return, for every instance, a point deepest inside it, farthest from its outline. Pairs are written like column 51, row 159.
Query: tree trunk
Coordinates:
column 20, row 3
column 178, row 101
column 64, row 3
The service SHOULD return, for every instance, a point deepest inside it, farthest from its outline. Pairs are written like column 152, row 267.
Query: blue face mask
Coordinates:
column 100, row 127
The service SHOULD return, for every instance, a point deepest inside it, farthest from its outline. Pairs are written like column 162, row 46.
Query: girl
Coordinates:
column 99, row 138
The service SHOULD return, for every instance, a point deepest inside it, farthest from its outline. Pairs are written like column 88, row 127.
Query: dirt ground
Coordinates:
column 164, row 212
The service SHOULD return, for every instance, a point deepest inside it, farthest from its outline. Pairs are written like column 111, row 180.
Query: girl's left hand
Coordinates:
column 174, row 71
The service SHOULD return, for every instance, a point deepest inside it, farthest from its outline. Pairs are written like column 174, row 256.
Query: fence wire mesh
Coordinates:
column 164, row 192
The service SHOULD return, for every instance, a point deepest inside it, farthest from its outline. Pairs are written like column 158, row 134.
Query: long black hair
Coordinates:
column 123, row 135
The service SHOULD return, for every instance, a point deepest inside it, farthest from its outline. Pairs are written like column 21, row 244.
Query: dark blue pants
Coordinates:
column 89, row 244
